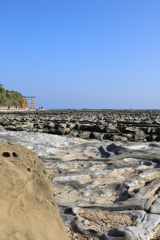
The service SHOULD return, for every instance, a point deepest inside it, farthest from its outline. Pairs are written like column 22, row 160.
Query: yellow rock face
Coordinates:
column 28, row 210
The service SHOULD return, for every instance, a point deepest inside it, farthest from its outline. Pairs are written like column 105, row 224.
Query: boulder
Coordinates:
column 112, row 129
column 85, row 135
column 2, row 128
column 97, row 136
column 118, row 138
column 27, row 204
column 63, row 131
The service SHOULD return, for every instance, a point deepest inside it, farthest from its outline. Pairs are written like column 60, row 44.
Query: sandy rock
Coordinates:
column 85, row 135
column 27, row 204
column 63, row 131
column 118, row 138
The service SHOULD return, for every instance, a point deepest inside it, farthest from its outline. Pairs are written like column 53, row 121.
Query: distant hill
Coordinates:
column 11, row 98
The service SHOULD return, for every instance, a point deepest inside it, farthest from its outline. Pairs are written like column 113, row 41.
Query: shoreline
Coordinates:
column 13, row 109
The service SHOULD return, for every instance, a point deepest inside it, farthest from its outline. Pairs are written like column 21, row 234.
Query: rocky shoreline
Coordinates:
column 113, row 125
column 104, row 190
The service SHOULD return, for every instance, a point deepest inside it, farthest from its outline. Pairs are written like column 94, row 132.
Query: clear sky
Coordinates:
column 82, row 53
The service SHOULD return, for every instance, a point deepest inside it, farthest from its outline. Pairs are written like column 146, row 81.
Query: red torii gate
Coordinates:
column 28, row 98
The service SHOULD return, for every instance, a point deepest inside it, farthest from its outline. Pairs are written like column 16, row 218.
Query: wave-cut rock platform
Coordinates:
column 104, row 190
column 114, row 125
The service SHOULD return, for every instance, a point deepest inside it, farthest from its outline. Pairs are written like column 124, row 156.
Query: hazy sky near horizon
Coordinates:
column 82, row 53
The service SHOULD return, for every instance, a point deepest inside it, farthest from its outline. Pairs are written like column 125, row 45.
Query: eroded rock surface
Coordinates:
column 104, row 190
column 114, row 125
column 28, row 209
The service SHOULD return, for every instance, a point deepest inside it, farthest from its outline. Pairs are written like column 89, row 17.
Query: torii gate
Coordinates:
column 28, row 98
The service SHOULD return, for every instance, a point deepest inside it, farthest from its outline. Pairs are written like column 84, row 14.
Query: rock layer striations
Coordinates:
column 114, row 125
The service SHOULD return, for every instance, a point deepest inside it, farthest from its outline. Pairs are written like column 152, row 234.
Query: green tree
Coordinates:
column 2, row 89
column 11, row 98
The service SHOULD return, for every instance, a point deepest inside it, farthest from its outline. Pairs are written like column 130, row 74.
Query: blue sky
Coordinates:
column 100, row 54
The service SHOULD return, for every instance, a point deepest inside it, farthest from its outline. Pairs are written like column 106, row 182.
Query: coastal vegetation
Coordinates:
column 10, row 98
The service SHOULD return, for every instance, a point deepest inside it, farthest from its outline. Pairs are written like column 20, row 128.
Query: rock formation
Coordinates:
column 104, row 190
column 114, row 125
column 28, row 209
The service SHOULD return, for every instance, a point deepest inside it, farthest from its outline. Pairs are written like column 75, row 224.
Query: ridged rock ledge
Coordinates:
column 114, row 125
